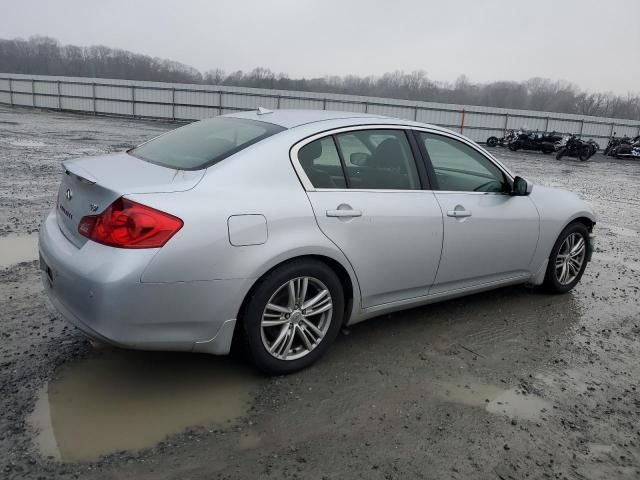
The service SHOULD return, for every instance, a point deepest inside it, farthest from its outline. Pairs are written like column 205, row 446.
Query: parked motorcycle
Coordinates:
column 616, row 143
column 527, row 140
column 502, row 141
column 572, row 146
column 630, row 149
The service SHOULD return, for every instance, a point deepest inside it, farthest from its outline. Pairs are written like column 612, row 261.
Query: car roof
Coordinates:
column 295, row 118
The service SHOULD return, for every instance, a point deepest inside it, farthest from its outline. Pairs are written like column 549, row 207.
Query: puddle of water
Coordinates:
column 16, row 249
column 510, row 403
column 121, row 400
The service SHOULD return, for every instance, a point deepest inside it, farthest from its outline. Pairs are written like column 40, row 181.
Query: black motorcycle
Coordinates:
column 502, row 141
column 630, row 149
column 533, row 141
column 574, row 147
column 616, row 143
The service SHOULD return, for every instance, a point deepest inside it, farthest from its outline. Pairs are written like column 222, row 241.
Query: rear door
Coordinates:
column 373, row 201
column 489, row 235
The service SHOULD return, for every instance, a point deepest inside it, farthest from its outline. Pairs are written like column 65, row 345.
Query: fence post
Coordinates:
column 366, row 107
column 59, row 96
column 506, row 124
column 220, row 103
column 613, row 126
column 33, row 92
column 581, row 127
column 462, row 122
column 415, row 113
column 133, row 100
column 546, row 126
column 11, row 91
column 324, row 103
column 278, row 102
column 93, row 93
column 173, row 103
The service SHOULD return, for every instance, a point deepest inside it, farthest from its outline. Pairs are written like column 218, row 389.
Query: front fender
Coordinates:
column 557, row 209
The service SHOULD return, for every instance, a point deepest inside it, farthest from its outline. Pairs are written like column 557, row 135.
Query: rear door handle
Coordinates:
column 344, row 213
column 458, row 213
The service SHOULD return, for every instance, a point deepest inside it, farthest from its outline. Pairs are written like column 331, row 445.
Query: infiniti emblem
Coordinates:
column 69, row 194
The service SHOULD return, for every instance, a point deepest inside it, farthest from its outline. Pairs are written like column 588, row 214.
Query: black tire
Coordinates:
column 547, row 149
column 585, row 153
column 251, row 316
column 492, row 141
column 551, row 283
column 514, row 146
column 560, row 153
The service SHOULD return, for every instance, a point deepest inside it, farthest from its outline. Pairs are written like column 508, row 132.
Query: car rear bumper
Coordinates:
column 98, row 289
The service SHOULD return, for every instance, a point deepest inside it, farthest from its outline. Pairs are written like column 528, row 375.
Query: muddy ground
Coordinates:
column 508, row 384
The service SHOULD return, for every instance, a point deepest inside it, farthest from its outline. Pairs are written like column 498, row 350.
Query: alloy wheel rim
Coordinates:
column 570, row 258
column 296, row 318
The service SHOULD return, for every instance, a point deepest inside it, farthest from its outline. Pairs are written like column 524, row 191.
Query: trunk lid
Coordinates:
column 89, row 185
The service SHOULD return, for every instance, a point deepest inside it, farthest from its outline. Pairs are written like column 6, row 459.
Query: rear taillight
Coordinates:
column 128, row 224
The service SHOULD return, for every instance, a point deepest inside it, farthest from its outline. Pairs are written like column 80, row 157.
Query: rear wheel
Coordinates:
column 492, row 141
column 514, row 146
column 568, row 259
column 293, row 315
column 585, row 153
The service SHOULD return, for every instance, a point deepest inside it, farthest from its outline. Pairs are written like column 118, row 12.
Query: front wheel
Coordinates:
column 293, row 315
column 568, row 259
column 492, row 141
column 514, row 146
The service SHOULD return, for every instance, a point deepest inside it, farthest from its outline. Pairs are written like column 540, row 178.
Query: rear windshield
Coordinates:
column 201, row 144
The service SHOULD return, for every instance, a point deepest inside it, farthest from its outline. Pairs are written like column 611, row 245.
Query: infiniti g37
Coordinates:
column 276, row 229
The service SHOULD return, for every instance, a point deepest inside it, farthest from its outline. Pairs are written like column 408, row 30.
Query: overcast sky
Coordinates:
column 594, row 44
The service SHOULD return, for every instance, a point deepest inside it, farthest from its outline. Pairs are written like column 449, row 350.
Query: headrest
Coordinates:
column 388, row 154
column 310, row 152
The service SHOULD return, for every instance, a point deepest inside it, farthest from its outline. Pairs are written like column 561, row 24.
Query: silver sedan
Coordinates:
column 277, row 229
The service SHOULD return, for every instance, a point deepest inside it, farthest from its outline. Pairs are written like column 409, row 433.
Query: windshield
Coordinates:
column 202, row 144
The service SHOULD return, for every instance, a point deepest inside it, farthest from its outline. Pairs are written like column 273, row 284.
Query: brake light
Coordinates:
column 128, row 224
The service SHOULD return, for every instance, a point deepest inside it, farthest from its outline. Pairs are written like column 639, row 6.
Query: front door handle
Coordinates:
column 344, row 213
column 458, row 213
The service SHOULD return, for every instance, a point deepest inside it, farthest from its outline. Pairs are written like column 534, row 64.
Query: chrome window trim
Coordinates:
column 308, row 186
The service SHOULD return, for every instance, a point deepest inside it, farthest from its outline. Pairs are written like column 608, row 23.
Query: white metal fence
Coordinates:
column 178, row 101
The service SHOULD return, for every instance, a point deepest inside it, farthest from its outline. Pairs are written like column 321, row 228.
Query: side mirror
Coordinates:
column 521, row 187
column 359, row 158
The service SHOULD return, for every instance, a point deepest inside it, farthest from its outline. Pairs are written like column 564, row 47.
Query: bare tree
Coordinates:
column 46, row 56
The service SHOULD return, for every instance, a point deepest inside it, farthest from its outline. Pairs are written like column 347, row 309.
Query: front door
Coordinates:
column 489, row 235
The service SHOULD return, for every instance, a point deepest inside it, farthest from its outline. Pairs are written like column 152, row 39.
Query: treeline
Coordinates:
column 46, row 56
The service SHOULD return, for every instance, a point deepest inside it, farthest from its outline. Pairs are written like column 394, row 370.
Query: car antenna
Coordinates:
column 264, row 111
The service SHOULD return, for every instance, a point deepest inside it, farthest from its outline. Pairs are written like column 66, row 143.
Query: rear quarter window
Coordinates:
column 204, row 143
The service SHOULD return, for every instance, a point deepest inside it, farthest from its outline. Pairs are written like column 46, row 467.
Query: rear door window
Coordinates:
column 202, row 144
column 378, row 159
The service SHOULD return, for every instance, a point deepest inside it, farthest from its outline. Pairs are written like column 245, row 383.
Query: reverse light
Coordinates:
column 128, row 224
